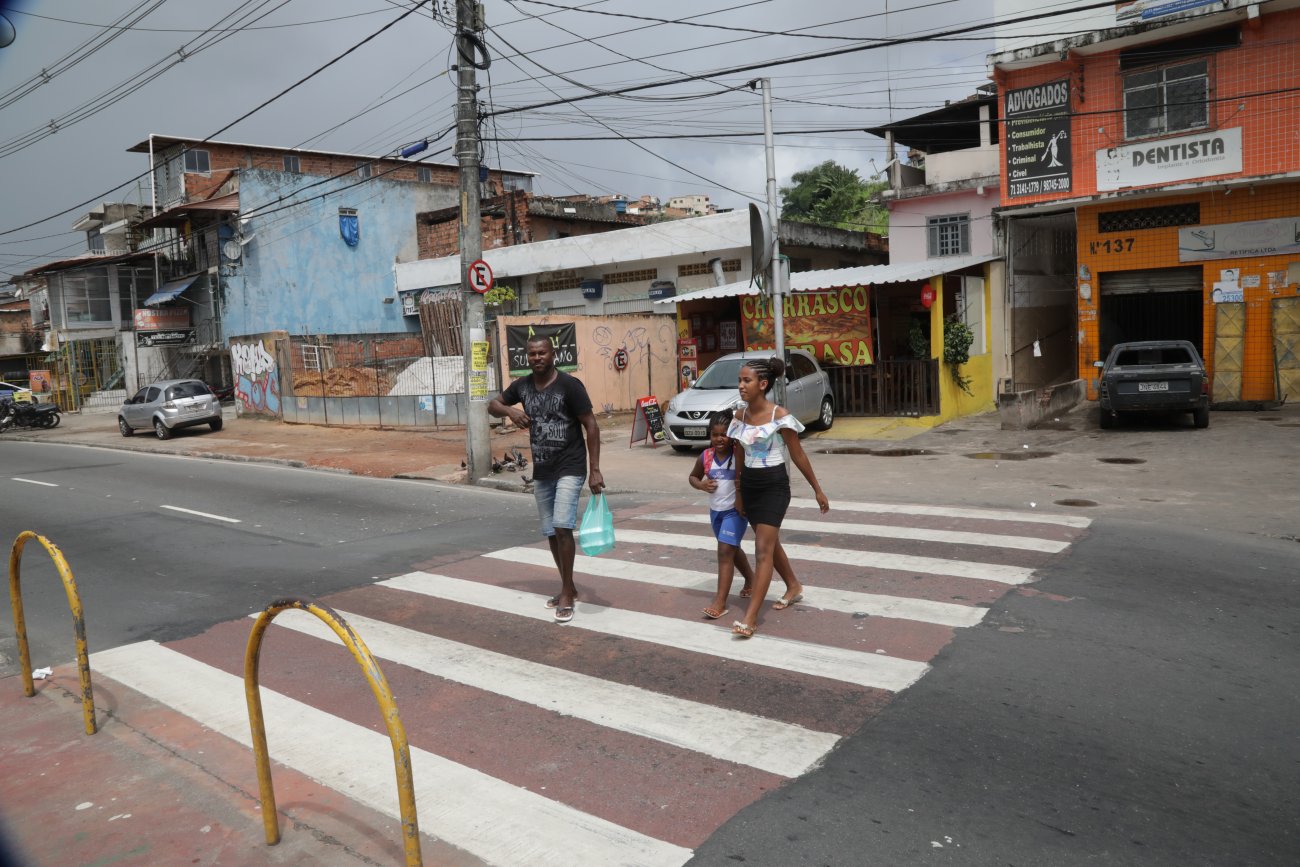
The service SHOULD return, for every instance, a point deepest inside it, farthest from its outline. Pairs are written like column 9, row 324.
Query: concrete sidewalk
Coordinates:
column 1240, row 474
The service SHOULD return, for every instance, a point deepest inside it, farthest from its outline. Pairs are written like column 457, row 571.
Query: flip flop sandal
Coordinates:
column 564, row 615
column 746, row 592
column 554, row 601
column 741, row 630
column 712, row 614
column 781, row 604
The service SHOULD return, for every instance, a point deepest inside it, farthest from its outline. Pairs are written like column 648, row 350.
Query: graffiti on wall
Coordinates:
column 257, row 380
column 636, row 348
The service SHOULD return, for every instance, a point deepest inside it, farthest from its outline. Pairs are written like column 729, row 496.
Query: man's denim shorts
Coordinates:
column 557, row 502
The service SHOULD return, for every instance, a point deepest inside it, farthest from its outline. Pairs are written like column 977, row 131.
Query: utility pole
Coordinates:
column 473, row 328
column 775, row 275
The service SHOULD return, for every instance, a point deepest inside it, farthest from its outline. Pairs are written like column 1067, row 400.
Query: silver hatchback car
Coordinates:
column 807, row 397
column 169, row 405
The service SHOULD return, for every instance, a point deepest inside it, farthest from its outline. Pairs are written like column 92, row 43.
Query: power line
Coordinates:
column 192, row 30
column 630, row 141
column 819, row 55
column 125, row 88
column 246, row 115
column 73, row 57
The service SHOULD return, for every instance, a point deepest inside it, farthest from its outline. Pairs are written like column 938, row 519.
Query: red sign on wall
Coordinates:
column 162, row 318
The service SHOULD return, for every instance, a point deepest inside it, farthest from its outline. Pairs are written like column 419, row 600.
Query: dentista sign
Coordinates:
column 1171, row 159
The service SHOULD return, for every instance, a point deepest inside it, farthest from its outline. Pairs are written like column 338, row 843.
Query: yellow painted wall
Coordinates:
column 953, row 402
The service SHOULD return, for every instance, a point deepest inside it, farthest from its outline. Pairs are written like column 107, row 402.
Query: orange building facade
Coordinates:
column 1174, row 144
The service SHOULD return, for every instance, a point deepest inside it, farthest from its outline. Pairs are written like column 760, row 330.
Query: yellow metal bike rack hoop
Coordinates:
column 78, row 621
column 378, row 685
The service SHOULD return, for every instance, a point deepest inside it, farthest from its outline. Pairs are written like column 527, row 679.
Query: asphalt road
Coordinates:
column 1137, row 705
column 163, row 547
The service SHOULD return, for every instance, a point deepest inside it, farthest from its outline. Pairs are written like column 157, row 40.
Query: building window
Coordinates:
column 424, row 174
column 697, row 269
column 1167, row 99
column 196, row 162
column 949, row 235
column 95, row 241
column 86, row 298
column 558, row 280
column 365, row 169
column 517, row 182
column 292, row 163
column 1186, row 214
column 637, row 276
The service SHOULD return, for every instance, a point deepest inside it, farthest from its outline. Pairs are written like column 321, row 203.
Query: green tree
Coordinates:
column 832, row 195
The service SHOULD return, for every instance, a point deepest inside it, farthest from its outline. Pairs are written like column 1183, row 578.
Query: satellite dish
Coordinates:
column 760, row 239
column 232, row 250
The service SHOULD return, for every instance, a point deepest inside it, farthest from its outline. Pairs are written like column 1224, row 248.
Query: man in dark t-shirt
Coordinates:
column 557, row 413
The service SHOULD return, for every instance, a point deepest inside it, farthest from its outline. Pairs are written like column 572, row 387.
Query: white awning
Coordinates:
column 835, row 278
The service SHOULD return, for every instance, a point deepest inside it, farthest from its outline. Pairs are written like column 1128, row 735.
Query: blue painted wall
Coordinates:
column 298, row 275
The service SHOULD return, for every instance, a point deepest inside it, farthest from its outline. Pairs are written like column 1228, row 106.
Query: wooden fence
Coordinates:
column 909, row 387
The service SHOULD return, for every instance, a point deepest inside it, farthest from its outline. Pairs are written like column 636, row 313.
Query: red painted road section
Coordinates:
column 157, row 787
column 154, row 787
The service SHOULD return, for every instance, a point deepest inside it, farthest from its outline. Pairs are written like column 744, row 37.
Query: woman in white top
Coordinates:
column 763, row 433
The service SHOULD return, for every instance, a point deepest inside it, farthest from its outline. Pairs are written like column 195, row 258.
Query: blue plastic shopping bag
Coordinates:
column 596, row 535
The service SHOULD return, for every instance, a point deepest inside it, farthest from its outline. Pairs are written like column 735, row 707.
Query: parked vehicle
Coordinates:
column 807, row 397
column 16, row 413
column 1154, row 376
column 170, row 405
column 19, row 393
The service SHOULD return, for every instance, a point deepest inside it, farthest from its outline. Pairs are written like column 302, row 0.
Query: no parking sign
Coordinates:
column 480, row 276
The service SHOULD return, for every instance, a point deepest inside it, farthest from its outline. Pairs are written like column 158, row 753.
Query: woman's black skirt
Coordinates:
column 765, row 492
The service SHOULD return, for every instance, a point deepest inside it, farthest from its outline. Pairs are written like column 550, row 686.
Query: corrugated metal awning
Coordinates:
column 170, row 291
column 836, row 278
column 177, row 215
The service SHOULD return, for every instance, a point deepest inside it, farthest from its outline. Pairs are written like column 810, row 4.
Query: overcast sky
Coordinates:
column 228, row 73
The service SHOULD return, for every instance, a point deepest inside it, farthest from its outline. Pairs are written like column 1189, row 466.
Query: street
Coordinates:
column 963, row 684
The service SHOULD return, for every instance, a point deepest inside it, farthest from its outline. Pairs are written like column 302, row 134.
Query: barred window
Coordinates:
column 1188, row 214
column 697, row 269
column 293, row 163
column 1167, row 99
column 365, row 169
column 637, row 276
column 559, row 280
column 948, row 235
column 424, row 174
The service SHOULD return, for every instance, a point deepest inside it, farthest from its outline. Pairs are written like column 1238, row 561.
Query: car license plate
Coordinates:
column 1153, row 386
column 695, row 431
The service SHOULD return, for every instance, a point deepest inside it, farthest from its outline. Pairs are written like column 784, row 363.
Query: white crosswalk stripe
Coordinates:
column 778, row 747
column 825, row 598
column 498, row 822
column 851, row 557
column 850, row 666
column 620, row 680
column 1076, row 521
column 888, row 531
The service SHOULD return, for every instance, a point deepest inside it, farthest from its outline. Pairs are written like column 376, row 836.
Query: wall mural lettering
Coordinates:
column 257, row 380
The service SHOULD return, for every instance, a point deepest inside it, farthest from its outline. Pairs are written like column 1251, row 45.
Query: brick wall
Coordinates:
column 1267, row 60
column 225, row 158
column 504, row 222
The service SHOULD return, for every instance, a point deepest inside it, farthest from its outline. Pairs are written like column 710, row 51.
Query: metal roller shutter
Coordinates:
column 1151, row 280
